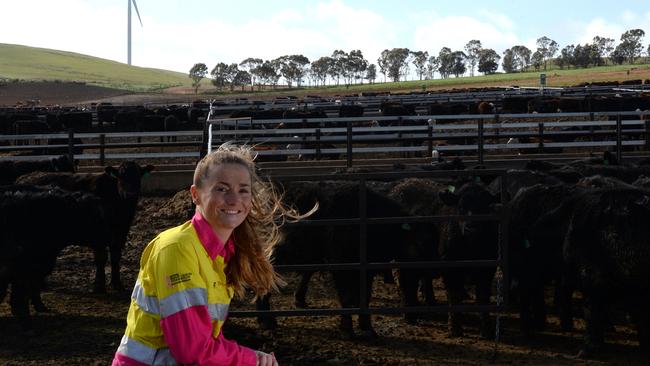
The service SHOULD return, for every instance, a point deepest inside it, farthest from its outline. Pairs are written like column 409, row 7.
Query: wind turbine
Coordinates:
column 129, row 28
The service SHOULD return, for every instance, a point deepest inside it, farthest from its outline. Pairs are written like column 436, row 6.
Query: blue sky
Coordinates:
column 178, row 33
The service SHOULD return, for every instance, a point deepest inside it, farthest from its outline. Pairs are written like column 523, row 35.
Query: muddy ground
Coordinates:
column 85, row 328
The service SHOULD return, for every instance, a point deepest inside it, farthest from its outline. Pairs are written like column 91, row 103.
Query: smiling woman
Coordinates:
column 189, row 273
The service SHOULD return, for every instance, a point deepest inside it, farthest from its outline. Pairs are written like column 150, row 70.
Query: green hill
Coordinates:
column 41, row 64
column 22, row 63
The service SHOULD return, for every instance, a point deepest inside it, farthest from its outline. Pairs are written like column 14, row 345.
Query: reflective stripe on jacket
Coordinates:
column 180, row 302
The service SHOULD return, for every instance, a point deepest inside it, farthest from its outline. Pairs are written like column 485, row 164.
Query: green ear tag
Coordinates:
column 406, row 227
column 451, row 189
column 526, row 244
column 477, row 179
column 606, row 162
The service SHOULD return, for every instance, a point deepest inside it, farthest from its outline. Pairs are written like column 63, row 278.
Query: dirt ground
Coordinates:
column 85, row 329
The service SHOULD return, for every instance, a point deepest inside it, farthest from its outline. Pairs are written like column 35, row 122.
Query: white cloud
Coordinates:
column 455, row 31
column 598, row 27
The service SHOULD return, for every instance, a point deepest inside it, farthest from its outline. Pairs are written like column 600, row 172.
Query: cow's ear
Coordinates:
column 147, row 169
column 111, row 171
column 448, row 198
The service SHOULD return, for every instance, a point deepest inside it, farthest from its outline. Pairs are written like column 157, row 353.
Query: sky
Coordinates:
column 176, row 34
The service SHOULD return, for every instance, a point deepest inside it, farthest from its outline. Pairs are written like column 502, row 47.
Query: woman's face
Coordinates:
column 225, row 198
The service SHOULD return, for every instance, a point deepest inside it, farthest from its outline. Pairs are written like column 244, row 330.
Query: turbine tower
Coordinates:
column 129, row 28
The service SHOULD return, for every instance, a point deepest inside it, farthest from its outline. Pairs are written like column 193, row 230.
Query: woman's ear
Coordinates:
column 195, row 194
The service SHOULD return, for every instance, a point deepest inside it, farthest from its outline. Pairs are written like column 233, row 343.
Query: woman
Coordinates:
column 189, row 274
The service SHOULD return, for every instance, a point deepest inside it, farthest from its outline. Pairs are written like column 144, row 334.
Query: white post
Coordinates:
column 128, row 36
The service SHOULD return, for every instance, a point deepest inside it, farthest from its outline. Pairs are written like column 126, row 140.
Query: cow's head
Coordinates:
column 129, row 175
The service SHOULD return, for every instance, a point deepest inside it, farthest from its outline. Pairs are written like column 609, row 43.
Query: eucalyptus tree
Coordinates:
column 420, row 62
column 293, row 68
column 446, row 61
column 371, row 73
column 321, row 68
column 197, row 73
column 432, row 66
column 382, row 62
column 631, row 45
column 488, row 61
column 472, row 52
column 516, row 58
column 337, row 70
column 268, row 72
column 458, row 67
column 397, row 64
column 566, row 56
column 223, row 74
column 241, row 78
column 618, row 56
column 537, row 59
column 252, row 65
column 605, row 47
column 508, row 62
column 547, row 48
column 354, row 66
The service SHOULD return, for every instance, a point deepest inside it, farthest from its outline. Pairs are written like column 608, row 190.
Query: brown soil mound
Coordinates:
column 177, row 207
column 52, row 93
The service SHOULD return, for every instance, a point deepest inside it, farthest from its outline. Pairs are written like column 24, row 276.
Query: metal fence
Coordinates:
column 363, row 266
column 350, row 139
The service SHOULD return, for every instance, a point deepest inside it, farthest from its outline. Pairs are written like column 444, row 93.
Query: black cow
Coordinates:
column 535, row 254
column 339, row 244
column 419, row 197
column 10, row 170
column 119, row 191
column 37, row 224
column 468, row 240
column 607, row 246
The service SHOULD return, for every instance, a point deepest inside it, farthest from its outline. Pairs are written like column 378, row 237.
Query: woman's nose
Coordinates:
column 231, row 197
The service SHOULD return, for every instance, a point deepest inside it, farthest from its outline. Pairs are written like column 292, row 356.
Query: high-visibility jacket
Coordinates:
column 180, row 302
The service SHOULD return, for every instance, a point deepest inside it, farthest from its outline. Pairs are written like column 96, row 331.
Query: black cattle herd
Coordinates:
column 576, row 226
column 579, row 226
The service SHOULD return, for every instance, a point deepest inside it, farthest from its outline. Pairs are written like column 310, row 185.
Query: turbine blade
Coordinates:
column 137, row 12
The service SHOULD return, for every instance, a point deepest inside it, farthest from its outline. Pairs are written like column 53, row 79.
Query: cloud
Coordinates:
column 455, row 31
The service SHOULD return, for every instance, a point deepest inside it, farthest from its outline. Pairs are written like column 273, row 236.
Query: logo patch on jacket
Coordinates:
column 175, row 279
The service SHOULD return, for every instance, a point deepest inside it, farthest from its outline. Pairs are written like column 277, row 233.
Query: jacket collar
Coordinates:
column 210, row 240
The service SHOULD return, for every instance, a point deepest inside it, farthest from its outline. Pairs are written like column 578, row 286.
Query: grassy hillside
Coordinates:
column 37, row 64
column 555, row 77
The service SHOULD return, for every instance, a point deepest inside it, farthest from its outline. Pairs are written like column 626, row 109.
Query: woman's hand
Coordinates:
column 266, row 359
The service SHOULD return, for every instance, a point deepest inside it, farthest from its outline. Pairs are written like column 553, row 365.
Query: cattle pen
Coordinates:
column 368, row 153
column 327, row 144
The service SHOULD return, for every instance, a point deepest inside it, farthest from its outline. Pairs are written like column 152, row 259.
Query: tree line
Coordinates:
column 395, row 64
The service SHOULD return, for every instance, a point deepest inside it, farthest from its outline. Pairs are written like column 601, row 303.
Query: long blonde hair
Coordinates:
column 256, row 238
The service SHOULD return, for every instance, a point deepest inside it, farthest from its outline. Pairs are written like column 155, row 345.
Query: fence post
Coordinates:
column 102, row 147
column 203, row 151
column 318, row 155
column 647, row 133
column 619, row 143
column 71, row 144
column 349, row 145
column 363, row 252
column 480, row 141
column 591, row 128
column 540, row 136
column 430, row 123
